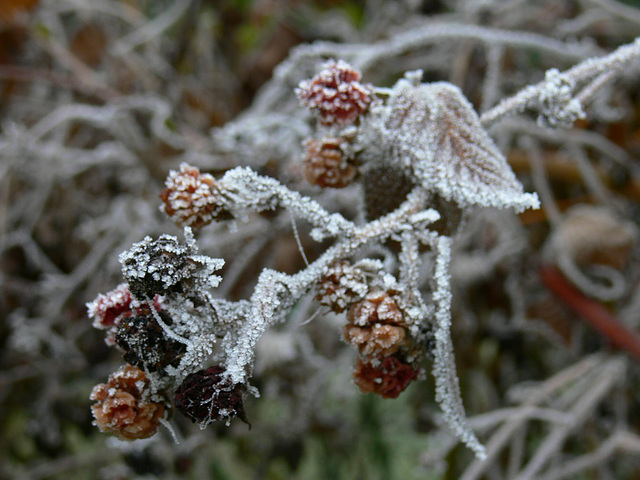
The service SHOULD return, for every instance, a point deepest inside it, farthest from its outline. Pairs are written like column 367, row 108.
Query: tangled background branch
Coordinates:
column 387, row 233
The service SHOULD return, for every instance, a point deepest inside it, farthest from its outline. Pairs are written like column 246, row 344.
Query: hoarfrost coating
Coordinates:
column 425, row 136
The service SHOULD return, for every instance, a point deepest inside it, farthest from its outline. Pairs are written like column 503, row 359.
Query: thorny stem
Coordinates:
column 447, row 384
column 258, row 192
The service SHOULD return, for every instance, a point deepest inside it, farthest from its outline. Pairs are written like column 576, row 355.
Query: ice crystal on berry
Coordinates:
column 377, row 307
column 206, row 396
column 377, row 340
column 165, row 266
column 121, row 408
column 192, row 198
column 342, row 285
column 336, row 94
column 325, row 165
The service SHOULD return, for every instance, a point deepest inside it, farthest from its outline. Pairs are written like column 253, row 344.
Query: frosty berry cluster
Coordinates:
column 423, row 162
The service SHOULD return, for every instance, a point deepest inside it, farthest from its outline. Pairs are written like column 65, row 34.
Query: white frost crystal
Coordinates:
column 558, row 107
column 163, row 265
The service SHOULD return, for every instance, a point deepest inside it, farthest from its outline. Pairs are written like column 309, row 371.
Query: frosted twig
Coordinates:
column 447, row 386
column 617, row 8
column 610, row 373
column 590, row 176
column 253, row 191
column 152, row 29
column 620, row 441
column 585, row 71
column 276, row 292
column 588, row 93
column 585, row 138
column 435, row 32
column 123, row 11
column 81, row 72
column 502, row 435
column 489, row 420
column 491, row 85
column 541, row 180
column 296, row 235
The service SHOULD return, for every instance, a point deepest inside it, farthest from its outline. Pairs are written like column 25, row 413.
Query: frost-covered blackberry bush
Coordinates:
column 412, row 251
column 425, row 136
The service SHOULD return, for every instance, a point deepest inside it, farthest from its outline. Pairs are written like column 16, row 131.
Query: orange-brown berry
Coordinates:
column 379, row 340
column 120, row 408
column 376, row 307
column 324, row 164
column 192, row 198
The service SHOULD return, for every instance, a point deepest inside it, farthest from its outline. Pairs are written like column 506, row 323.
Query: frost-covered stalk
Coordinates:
column 555, row 97
column 447, row 387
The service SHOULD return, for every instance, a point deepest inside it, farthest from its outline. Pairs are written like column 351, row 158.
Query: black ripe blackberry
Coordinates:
column 145, row 343
column 207, row 395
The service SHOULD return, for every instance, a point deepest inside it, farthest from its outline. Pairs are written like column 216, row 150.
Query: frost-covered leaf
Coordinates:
column 433, row 130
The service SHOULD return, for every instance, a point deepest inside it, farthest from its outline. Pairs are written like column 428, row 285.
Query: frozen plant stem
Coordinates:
column 277, row 291
column 447, row 386
column 594, row 72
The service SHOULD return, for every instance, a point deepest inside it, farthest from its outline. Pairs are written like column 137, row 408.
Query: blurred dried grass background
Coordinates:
column 100, row 98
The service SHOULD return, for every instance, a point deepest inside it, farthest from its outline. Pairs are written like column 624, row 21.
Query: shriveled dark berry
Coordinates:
column 207, row 395
column 145, row 343
column 157, row 266
column 165, row 266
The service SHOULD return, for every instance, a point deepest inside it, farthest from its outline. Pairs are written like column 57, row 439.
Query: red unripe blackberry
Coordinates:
column 336, row 94
column 387, row 377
